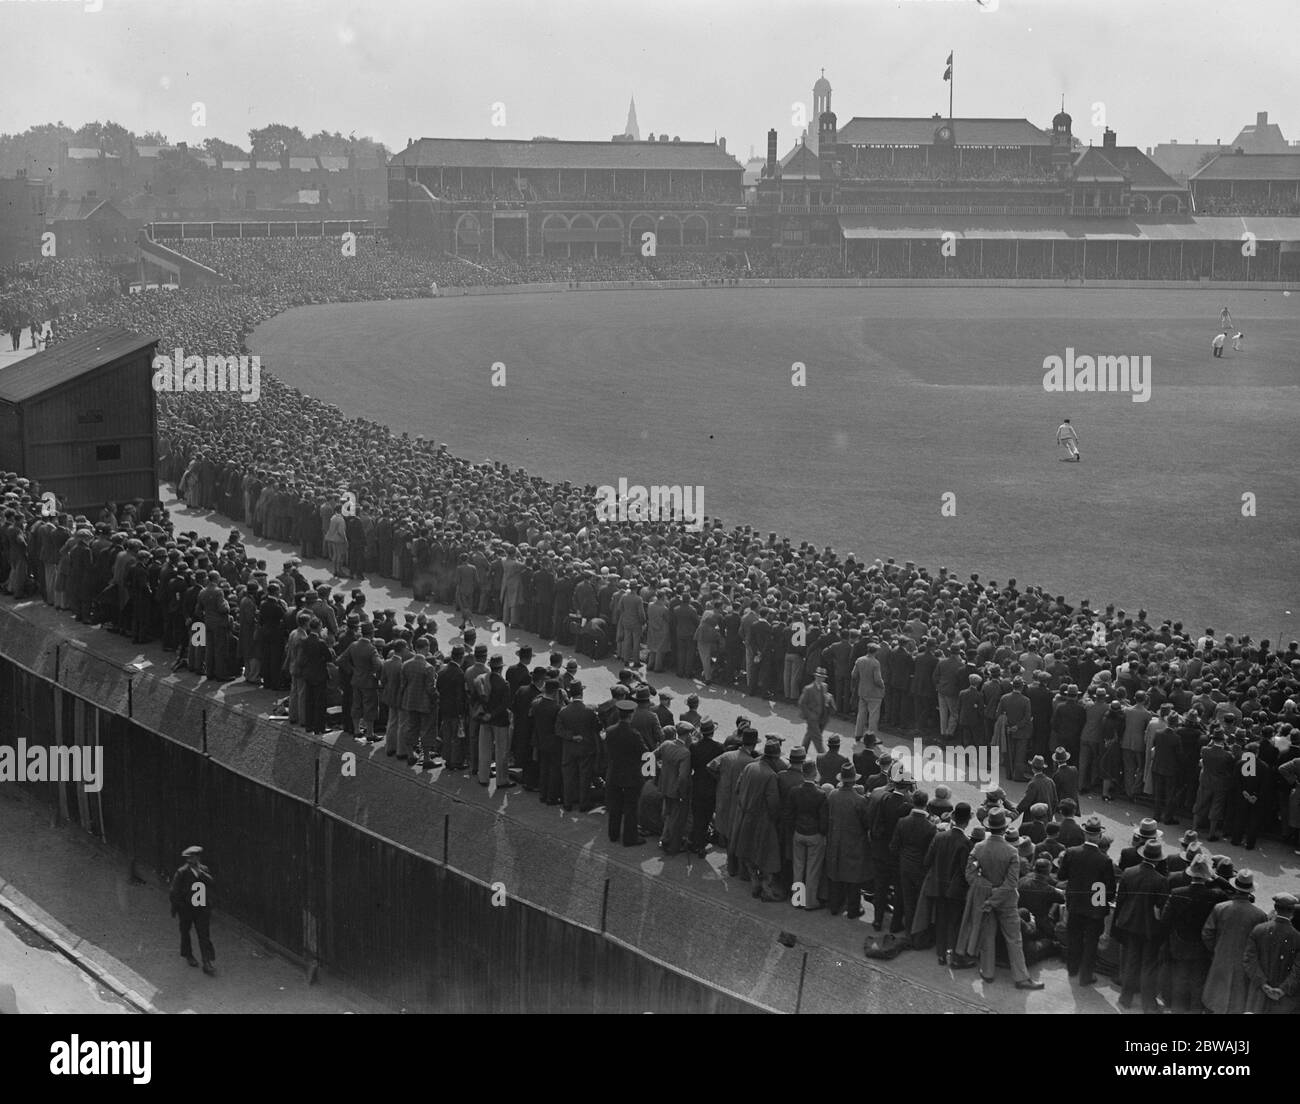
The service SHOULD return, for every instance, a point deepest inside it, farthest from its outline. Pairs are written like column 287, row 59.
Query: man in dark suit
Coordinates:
column 1065, row 776
column 1183, row 917
column 836, row 659
column 945, row 863
column 522, row 745
column 1139, row 901
column 418, row 699
column 1068, row 718
column 925, row 698
column 519, row 674
column 1166, row 766
column 970, row 714
column 314, row 656
column 1218, row 775
column 1040, row 707
column 704, row 785
column 191, row 901
column 1089, row 878
column 884, row 810
column 623, row 777
column 579, row 730
column 829, row 764
column 1071, row 835
column 908, row 846
column 898, row 685
column 545, row 711
column 1041, row 790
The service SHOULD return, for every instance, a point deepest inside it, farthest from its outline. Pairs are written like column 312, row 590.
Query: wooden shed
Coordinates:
column 79, row 418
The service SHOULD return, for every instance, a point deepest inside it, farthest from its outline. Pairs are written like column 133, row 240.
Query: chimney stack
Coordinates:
column 722, row 144
column 1108, row 139
column 771, row 152
column 1261, row 118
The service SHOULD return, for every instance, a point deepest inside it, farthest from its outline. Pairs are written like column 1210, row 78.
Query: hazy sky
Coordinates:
column 396, row 69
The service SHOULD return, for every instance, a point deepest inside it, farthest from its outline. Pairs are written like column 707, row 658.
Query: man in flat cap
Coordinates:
column 624, row 775
column 191, row 901
column 1272, row 960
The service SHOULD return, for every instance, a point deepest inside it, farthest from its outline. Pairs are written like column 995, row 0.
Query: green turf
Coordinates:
column 910, row 393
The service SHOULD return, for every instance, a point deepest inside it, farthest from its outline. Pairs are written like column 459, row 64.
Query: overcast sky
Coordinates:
column 396, row 69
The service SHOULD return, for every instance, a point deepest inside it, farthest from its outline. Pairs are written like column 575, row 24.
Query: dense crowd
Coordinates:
column 1236, row 205
column 1079, row 700
column 45, row 290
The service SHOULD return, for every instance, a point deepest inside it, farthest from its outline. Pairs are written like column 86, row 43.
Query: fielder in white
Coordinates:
column 1065, row 435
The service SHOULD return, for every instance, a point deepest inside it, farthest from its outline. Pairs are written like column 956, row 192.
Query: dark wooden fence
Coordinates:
column 401, row 926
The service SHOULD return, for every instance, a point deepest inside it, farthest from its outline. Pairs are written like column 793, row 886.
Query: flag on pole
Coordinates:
column 947, row 73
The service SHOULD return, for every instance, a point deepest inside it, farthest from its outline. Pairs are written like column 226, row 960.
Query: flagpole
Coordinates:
column 951, row 81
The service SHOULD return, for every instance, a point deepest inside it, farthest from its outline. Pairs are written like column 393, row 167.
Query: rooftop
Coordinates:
column 909, row 131
column 494, row 153
column 67, row 361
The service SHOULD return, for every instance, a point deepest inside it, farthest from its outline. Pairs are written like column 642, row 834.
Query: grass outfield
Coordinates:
column 911, row 393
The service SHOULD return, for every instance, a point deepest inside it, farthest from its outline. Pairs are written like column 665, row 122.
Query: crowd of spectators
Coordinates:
column 1226, row 205
column 1080, row 699
column 45, row 290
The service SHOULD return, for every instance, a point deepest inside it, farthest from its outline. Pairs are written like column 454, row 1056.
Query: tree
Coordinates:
column 216, row 147
column 152, row 138
column 273, row 141
column 109, row 136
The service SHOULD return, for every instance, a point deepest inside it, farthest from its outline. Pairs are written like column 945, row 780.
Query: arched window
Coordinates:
column 695, row 230
column 468, row 234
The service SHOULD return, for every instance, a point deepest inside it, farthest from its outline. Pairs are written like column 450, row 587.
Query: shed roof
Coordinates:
column 67, row 361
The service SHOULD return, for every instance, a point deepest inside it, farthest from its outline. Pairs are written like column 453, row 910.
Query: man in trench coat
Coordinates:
column 757, row 817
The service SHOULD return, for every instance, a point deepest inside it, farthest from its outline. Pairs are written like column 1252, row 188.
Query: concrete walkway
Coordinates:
column 76, row 894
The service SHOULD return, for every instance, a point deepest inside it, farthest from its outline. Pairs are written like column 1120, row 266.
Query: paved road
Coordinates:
column 36, row 977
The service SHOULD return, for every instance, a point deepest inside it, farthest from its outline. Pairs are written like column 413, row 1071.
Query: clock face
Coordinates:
column 944, row 134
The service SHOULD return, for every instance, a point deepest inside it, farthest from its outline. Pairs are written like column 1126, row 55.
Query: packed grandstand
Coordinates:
column 422, row 513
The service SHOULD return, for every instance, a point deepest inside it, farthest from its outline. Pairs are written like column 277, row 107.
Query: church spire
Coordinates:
column 632, row 129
